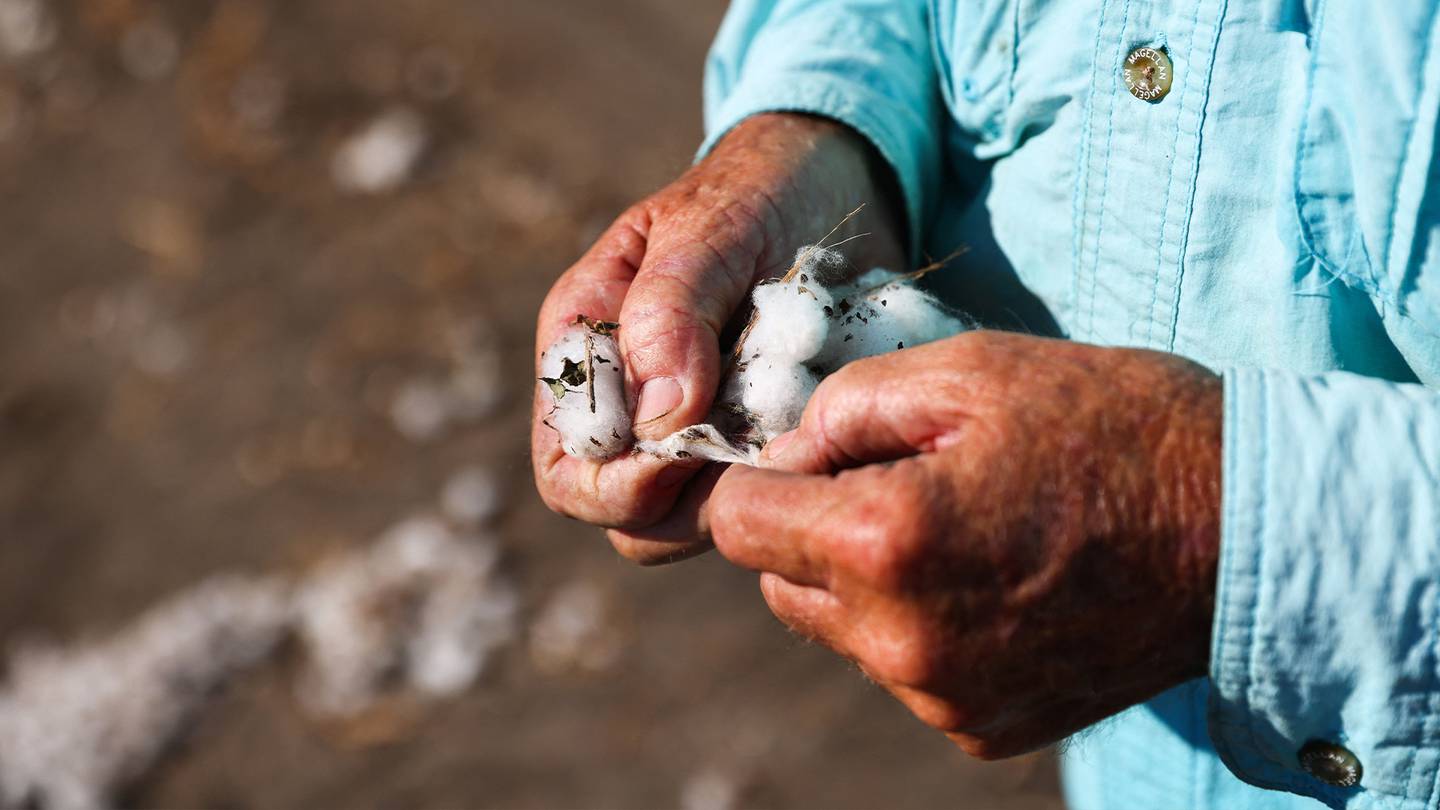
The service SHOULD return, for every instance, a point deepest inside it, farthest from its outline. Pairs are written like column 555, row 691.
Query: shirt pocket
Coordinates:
column 1367, row 184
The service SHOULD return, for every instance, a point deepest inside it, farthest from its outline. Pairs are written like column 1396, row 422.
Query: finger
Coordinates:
column 597, row 284
column 681, row 534
column 773, row 521
column 628, row 490
column 696, row 273
column 935, row 711
column 813, row 613
column 878, row 409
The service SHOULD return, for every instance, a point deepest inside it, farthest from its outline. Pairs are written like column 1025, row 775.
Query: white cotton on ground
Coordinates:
column 471, row 496
column 382, row 155
column 79, row 721
column 585, row 383
column 575, row 630
column 423, row 602
column 421, row 610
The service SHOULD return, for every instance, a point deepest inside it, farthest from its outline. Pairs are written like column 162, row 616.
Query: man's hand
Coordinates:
column 672, row 271
column 1017, row 537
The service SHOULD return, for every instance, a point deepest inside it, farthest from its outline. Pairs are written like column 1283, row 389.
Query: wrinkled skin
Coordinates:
column 674, row 270
column 1015, row 536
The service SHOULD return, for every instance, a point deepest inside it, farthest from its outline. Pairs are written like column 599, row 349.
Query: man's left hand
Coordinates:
column 1017, row 537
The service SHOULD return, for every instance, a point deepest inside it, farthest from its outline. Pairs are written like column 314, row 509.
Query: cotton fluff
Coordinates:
column 805, row 326
column 585, row 382
column 423, row 602
column 79, row 721
column 771, row 380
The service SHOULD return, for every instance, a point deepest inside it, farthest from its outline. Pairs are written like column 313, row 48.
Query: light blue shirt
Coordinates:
column 1276, row 216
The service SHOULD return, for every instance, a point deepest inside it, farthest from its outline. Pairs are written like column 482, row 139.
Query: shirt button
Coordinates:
column 1148, row 73
column 1330, row 763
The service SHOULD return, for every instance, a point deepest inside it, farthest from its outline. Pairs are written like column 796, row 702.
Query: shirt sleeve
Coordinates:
column 865, row 63
column 1328, row 603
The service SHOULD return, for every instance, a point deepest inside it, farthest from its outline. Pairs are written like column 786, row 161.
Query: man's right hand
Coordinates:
column 673, row 270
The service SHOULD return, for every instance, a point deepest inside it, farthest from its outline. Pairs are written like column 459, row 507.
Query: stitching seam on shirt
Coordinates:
column 1430, row 722
column 1079, row 208
column 1425, row 57
column 1221, row 7
column 1170, row 183
column 1262, row 385
column 1307, row 237
column 1110, row 93
column 1082, row 179
column 1014, row 63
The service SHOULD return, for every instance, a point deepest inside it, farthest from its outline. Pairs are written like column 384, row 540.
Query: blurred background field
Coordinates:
column 268, row 271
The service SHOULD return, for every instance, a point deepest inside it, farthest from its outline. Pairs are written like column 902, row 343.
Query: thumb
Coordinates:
column 691, row 281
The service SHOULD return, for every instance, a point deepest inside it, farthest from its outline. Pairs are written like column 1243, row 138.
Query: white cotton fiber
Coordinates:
column 78, row 721
column 585, row 382
column 701, row 441
column 774, row 393
column 805, row 327
column 803, row 331
column 795, row 323
column 873, row 320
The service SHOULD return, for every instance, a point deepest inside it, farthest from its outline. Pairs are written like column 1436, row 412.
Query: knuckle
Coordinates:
column 942, row 715
column 891, row 537
column 899, row 658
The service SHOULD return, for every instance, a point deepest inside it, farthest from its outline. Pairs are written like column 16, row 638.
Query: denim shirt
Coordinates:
column 1274, row 216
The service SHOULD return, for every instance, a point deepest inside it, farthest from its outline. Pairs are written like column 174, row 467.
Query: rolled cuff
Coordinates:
column 1327, row 614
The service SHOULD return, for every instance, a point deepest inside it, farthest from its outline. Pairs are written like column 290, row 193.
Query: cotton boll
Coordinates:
column 790, row 321
column 775, row 395
column 913, row 312
column 586, row 385
column 886, row 319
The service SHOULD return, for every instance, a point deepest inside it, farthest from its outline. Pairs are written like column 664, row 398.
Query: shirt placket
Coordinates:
column 1139, row 153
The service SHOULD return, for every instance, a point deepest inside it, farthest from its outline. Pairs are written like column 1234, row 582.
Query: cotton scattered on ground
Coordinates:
column 471, row 496
column 424, row 603
column 711, row 789
column 425, row 407
column 78, row 720
column 382, row 155
column 27, row 27
column 575, row 631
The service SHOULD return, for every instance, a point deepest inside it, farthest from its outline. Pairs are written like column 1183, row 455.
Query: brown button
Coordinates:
column 1330, row 763
column 1148, row 74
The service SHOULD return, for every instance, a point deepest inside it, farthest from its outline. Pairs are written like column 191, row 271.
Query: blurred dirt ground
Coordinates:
column 214, row 358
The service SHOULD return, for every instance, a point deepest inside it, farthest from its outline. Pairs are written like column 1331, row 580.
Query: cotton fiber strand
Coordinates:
column 586, row 386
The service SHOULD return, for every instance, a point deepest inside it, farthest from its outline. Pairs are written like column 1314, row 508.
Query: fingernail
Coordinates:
column 658, row 397
column 777, row 445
